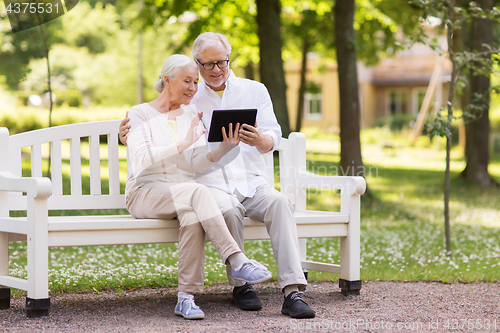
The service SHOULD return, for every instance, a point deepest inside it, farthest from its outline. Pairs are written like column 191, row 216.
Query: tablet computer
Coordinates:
column 222, row 118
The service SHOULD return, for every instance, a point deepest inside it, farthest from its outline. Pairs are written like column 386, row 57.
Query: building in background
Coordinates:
column 394, row 86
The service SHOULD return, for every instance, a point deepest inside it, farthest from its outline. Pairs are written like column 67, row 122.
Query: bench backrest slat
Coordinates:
column 268, row 158
column 287, row 169
column 15, row 162
column 56, row 168
column 113, row 165
column 95, row 165
column 36, row 160
column 75, row 161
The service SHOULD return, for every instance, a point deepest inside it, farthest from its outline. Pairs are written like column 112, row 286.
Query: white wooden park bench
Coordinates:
column 38, row 195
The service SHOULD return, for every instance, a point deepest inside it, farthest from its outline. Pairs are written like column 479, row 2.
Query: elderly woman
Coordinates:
column 166, row 148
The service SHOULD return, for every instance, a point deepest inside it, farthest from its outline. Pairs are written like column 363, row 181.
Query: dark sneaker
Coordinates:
column 246, row 298
column 295, row 306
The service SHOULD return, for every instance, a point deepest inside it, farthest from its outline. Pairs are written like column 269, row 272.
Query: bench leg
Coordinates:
column 349, row 281
column 4, row 298
column 350, row 253
column 36, row 308
column 303, row 255
column 4, row 270
column 38, row 301
column 349, row 287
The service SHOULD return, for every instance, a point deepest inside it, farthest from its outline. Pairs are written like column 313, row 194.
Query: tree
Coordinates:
column 476, row 63
column 235, row 18
column 308, row 26
column 478, row 131
column 94, row 57
column 272, row 73
column 140, row 78
column 44, row 49
column 345, row 37
column 306, row 44
column 18, row 49
column 308, row 30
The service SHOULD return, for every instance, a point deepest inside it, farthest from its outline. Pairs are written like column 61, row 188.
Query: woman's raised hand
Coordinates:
column 193, row 134
column 124, row 129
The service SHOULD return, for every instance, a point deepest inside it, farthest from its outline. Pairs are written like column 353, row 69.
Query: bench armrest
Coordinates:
column 36, row 187
column 354, row 185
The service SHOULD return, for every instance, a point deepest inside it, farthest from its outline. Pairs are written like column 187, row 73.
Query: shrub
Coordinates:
column 23, row 96
column 395, row 122
column 70, row 97
column 20, row 123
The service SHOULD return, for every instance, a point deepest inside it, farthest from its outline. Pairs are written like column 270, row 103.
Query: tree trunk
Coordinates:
column 345, row 38
column 249, row 72
column 454, row 75
column 302, row 88
column 272, row 73
column 477, row 132
column 461, row 43
column 140, row 81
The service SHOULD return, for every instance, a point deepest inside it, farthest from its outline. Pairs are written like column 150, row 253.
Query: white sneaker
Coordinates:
column 188, row 309
column 252, row 272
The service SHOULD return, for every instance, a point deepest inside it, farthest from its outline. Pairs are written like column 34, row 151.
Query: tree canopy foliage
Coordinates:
column 18, row 49
column 95, row 44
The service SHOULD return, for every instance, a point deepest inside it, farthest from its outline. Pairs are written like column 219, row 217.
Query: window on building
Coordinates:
column 418, row 100
column 312, row 101
column 398, row 101
column 312, row 106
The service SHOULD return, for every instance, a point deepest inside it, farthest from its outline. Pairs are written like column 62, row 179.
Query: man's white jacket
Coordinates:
column 248, row 170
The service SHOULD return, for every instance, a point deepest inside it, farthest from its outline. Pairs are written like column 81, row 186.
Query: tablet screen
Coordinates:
column 222, row 118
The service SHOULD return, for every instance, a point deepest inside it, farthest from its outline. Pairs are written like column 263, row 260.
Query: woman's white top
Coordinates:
column 152, row 148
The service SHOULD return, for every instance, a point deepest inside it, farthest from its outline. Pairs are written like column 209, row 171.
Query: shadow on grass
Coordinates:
column 393, row 189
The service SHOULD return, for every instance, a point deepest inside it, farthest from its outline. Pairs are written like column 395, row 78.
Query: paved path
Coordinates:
column 381, row 307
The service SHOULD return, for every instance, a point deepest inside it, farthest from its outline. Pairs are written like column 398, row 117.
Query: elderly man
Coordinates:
column 241, row 188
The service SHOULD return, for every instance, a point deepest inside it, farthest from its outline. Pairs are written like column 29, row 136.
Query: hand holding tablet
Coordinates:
column 222, row 118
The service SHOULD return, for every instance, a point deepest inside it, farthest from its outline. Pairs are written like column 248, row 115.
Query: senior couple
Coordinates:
column 168, row 150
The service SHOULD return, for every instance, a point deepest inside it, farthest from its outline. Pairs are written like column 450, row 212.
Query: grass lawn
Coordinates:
column 402, row 229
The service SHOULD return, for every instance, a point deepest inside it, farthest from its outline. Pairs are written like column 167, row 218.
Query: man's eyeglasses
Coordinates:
column 210, row 65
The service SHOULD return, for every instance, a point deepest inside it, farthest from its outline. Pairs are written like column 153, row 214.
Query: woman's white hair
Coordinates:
column 171, row 67
column 209, row 39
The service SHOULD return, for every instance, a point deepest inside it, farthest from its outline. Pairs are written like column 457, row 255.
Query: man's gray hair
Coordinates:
column 209, row 39
column 171, row 67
